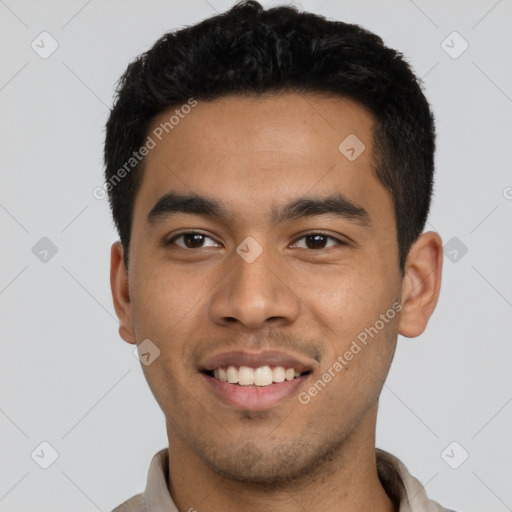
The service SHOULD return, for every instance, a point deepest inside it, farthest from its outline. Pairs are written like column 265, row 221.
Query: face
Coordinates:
column 259, row 252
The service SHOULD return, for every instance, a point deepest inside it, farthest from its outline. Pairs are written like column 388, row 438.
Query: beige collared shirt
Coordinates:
column 407, row 490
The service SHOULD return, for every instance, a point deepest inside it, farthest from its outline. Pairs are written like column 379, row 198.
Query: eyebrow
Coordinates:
column 335, row 204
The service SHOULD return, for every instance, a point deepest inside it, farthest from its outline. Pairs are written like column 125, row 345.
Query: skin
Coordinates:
column 253, row 155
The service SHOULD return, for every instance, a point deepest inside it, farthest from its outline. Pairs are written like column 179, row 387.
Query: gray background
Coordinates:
column 66, row 377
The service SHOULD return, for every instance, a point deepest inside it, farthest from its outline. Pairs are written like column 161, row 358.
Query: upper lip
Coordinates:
column 255, row 360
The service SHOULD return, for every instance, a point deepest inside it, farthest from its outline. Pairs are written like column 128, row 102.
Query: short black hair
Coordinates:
column 252, row 51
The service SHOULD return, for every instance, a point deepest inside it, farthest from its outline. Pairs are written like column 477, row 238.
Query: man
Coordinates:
column 270, row 175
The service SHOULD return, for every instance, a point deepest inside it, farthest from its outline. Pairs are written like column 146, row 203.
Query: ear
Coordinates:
column 121, row 292
column 421, row 284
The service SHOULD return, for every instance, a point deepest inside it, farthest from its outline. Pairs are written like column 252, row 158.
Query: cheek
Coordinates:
column 355, row 314
column 164, row 300
column 165, row 307
column 348, row 300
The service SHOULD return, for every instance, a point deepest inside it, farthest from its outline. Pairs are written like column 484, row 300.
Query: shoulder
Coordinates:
column 134, row 504
column 406, row 492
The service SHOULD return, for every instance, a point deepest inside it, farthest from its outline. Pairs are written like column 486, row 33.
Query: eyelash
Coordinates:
column 305, row 235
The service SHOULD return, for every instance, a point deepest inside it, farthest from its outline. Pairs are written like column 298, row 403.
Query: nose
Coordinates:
column 256, row 295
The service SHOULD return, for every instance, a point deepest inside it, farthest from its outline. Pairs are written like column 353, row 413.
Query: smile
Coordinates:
column 261, row 376
column 256, row 381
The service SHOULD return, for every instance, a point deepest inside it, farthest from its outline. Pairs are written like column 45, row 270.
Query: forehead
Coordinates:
column 247, row 151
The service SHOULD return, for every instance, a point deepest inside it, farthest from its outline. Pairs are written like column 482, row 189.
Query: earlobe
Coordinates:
column 121, row 292
column 421, row 284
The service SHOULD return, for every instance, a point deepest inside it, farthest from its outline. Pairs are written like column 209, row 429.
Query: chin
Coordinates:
column 267, row 466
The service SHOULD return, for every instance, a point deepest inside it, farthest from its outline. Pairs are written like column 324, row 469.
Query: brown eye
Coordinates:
column 317, row 241
column 192, row 240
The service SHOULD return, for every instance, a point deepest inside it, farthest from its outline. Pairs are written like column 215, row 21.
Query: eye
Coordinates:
column 192, row 240
column 317, row 241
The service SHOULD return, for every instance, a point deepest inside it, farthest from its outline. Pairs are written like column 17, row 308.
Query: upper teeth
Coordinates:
column 261, row 376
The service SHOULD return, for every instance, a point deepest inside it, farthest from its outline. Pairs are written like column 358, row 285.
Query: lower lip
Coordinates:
column 254, row 398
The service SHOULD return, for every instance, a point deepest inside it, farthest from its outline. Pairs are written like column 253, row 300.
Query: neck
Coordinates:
column 345, row 481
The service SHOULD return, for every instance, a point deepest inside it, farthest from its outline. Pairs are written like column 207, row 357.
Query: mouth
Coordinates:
column 260, row 376
column 254, row 381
